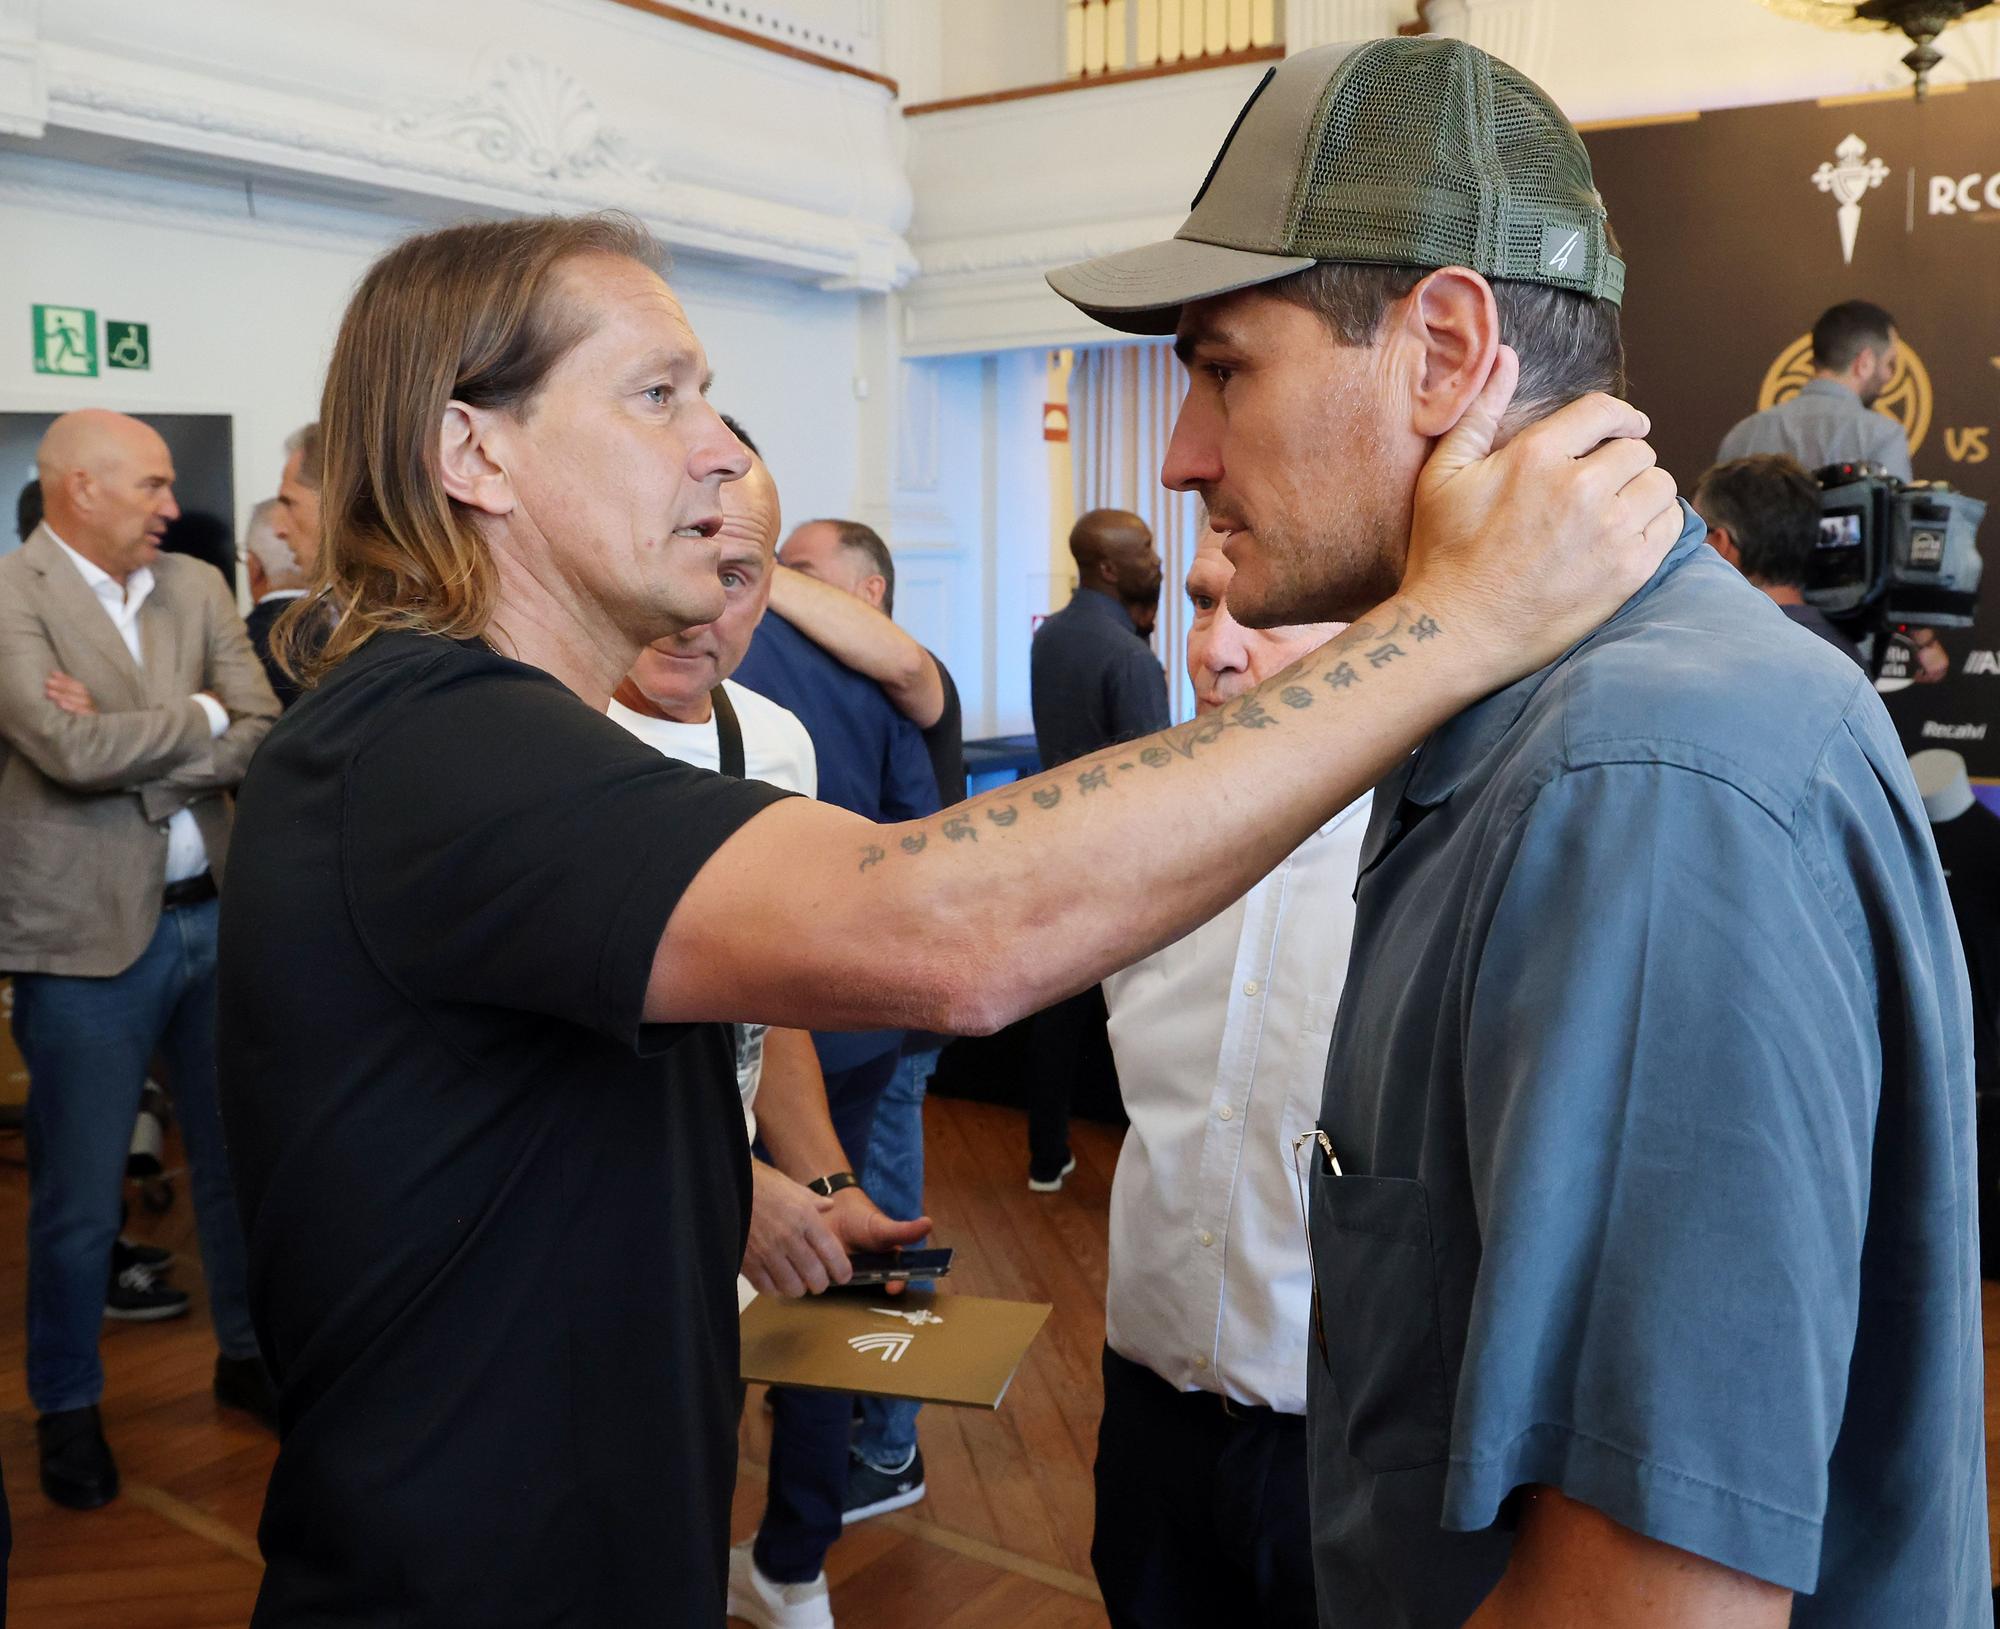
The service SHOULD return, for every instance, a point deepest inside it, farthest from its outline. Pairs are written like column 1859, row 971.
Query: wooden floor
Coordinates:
column 1003, row 1541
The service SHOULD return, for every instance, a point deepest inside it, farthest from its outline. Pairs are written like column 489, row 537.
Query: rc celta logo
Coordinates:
column 1850, row 180
column 1907, row 399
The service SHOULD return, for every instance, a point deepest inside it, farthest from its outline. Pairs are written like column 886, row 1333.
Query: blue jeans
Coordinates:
column 810, row 1429
column 87, row 1043
column 888, row 1430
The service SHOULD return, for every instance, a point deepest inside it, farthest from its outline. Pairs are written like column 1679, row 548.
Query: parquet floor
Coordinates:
column 1001, row 1543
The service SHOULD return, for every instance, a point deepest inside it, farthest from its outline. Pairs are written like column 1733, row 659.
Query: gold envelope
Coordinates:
column 929, row 1346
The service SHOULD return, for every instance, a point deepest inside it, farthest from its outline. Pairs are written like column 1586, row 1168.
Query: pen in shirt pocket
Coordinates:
column 1305, row 1217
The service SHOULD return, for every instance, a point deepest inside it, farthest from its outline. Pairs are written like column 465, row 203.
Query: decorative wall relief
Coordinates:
column 529, row 115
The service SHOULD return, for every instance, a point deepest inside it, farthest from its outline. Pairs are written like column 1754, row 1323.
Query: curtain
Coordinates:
column 1122, row 403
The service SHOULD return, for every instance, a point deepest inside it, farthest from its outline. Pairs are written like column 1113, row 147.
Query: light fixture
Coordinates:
column 1922, row 20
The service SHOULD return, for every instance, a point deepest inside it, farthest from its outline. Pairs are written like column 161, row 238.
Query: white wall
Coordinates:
column 243, row 315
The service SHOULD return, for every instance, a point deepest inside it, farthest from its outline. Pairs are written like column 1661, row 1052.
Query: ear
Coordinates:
column 1450, row 331
column 467, row 464
column 873, row 588
column 1725, row 545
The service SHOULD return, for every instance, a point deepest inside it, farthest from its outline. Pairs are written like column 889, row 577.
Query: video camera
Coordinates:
column 1894, row 553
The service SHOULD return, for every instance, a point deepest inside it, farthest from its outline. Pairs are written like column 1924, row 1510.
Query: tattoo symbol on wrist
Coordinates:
column 1156, row 757
column 1003, row 815
column 915, row 843
column 873, row 855
column 1426, row 628
column 1250, row 715
column 1296, row 697
column 959, row 829
column 1383, row 655
column 1048, row 797
column 1092, row 780
column 1343, row 676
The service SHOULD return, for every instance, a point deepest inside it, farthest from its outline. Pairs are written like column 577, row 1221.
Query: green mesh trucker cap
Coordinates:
column 1395, row 152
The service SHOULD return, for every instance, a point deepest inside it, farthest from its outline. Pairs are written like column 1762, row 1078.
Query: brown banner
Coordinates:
column 1740, row 227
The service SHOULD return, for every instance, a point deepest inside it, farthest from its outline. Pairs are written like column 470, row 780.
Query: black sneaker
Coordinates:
column 1040, row 1181
column 875, row 1493
column 127, row 1253
column 139, row 1295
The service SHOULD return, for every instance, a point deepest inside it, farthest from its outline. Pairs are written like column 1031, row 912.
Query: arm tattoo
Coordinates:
column 1293, row 691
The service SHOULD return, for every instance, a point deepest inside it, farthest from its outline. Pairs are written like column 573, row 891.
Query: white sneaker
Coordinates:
column 756, row 1600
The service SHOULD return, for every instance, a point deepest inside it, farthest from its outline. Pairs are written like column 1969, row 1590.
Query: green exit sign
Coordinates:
column 127, row 344
column 66, row 340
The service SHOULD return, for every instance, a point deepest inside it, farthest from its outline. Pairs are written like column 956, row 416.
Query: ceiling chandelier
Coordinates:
column 1922, row 20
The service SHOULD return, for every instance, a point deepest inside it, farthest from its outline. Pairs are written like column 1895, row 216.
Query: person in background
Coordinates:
column 837, row 585
column 1220, row 1040
column 131, row 703
column 1093, row 681
column 679, row 699
column 275, row 580
column 872, row 760
column 1832, row 420
column 1762, row 514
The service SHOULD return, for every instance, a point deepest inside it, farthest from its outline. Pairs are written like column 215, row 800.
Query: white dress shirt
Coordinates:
column 777, row 750
column 187, row 854
column 1221, row 1041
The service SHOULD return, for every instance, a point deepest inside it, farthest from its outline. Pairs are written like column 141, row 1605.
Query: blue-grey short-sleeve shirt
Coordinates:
column 1652, row 1085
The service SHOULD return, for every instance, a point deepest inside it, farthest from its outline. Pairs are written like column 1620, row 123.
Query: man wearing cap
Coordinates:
column 1643, row 1295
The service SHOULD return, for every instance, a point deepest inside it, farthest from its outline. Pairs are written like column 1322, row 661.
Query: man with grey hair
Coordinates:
column 282, row 549
column 275, row 580
column 1641, row 1196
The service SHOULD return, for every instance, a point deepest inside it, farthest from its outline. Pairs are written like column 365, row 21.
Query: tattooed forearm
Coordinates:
column 1343, row 664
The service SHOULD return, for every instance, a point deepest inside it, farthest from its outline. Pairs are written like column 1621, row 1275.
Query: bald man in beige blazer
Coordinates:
column 130, row 704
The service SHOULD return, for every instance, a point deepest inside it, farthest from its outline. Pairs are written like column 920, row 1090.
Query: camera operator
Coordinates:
column 1833, row 419
column 1763, row 518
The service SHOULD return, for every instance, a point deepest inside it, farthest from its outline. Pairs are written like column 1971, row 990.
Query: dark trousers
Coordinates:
column 810, row 1430
column 1066, row 1037
column 1201, row 1514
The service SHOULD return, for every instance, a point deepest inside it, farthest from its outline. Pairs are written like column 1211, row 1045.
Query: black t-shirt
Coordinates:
column 945, row 742
column 493, row 1217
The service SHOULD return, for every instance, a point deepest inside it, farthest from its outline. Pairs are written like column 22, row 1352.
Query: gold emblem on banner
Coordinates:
column 1907, row 400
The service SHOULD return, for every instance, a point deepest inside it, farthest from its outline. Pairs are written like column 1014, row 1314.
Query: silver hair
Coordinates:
column 274, row 554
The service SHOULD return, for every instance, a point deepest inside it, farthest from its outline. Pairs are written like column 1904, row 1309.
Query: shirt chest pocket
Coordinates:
column 1376, row 1276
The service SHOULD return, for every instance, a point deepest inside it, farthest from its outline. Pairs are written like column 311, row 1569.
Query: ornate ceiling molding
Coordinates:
column 526, row 137
column 531, row 117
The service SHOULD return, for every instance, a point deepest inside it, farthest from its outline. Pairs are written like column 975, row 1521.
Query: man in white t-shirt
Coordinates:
column 678, row 698
column 1221, row 1041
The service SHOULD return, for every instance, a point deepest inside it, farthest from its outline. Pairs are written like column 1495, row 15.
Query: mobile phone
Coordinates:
column 891, row 1266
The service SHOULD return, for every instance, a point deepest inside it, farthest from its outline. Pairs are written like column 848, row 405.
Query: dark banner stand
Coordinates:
column 1740, row 227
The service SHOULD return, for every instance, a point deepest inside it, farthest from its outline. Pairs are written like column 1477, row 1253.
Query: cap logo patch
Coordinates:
column 1559, row 249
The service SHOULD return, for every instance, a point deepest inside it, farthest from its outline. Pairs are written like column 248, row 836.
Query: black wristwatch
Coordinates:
column 827, row 1186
